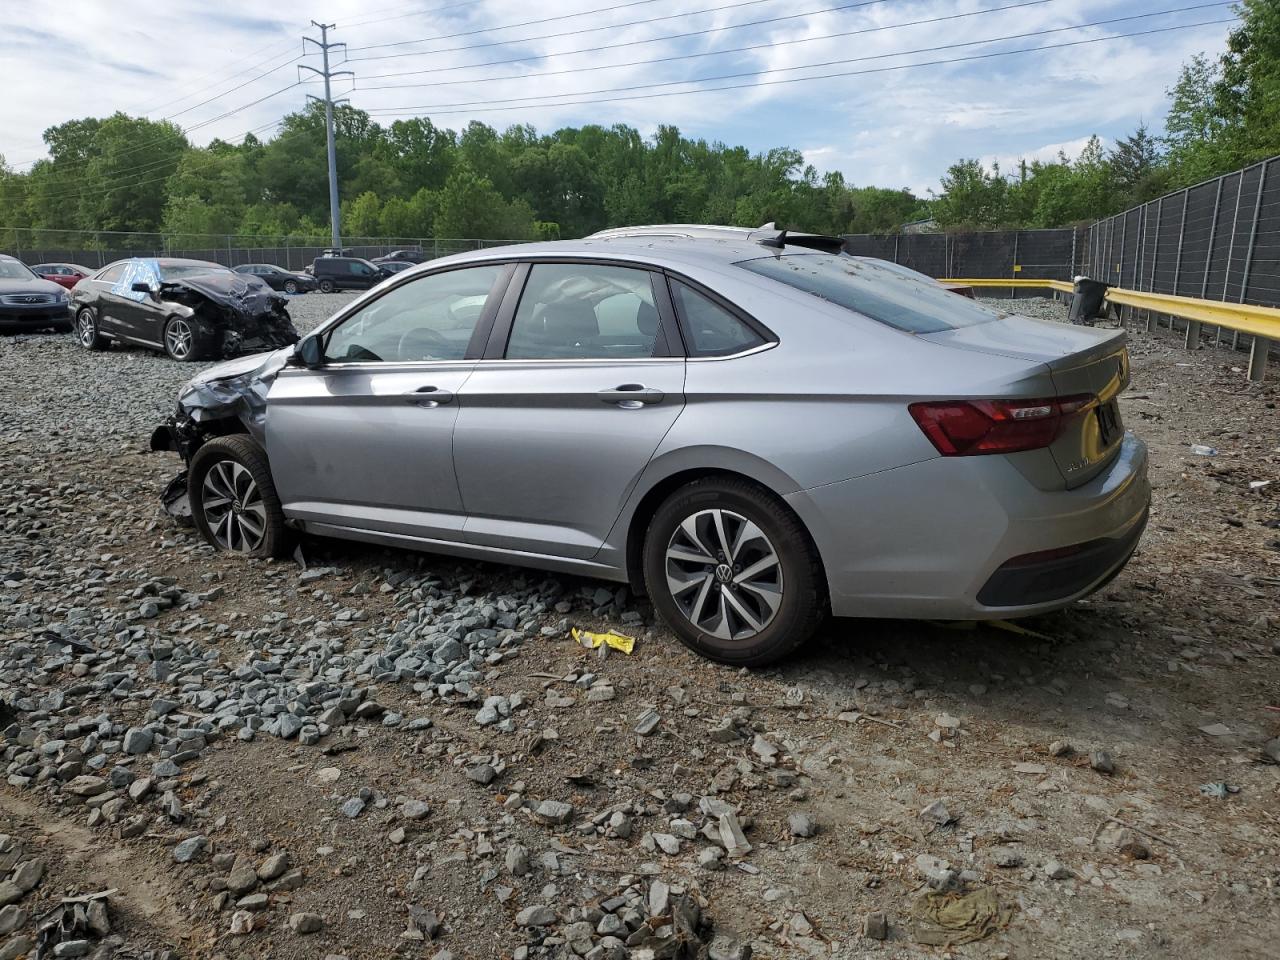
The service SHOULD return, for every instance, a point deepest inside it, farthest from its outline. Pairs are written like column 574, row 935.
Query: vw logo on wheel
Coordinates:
column 724, row 573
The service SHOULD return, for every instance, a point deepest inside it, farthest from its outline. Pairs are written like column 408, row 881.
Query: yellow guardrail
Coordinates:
column 1062, row 286
column 1262, row 323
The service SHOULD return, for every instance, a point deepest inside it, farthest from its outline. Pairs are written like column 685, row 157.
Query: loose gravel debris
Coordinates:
column 392, row 753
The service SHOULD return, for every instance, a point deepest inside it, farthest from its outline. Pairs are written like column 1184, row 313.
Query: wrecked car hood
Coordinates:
column 233, row 388
column 248, row 297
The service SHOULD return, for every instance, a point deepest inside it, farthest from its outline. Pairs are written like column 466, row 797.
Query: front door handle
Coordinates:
column 631, row 396
column 428, row 397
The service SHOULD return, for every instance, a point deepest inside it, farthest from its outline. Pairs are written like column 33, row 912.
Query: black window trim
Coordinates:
column 667, row 344
column 738, row 313
column 479, row 336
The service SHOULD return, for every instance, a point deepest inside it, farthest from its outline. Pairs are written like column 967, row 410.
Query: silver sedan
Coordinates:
column 754, row 429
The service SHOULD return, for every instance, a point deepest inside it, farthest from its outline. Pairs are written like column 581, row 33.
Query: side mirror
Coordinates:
column 141, row 288
column 308, row 352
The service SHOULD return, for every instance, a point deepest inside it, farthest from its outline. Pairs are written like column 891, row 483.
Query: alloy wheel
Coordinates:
column 290, row 287
column 86, row 333
column 178, row 337
column 724, row 574
column 233, row 507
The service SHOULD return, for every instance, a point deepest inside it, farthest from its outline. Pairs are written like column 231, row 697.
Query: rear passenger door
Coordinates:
column 582, row 378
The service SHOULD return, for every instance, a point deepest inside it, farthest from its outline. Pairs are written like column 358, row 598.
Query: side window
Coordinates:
column 111, row 274
column 355, row 267
column 710, row 329
column 431, row 318
column 582, row 311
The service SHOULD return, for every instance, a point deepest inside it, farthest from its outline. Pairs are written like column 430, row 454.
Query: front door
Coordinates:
column 555, row 428
column 365, row 440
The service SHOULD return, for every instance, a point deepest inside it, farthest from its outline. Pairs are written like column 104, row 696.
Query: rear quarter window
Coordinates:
column 880, row 292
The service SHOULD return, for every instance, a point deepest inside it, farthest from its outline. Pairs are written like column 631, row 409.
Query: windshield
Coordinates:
column 881, row 291
column 173, row 271
column 12, row 270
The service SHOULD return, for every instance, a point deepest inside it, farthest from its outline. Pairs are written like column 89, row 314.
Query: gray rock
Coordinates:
column 517, row 860
column 802, row 825
column 19, row 946
column 11, row 918
column 648, row 722
column 1101, row 761
column 87, row 786
column 875, row 926
column 538, row 915
column 481, row 773
column 253, row 902
column 28, row 875
column 415, row 810
column 725, row 947
column 137, row 741
column 305, row 923
column 937, row 813
column 554, row 811
column 273, row 867
column 353, row 808
column 10, row 892
column 72, row 948
column 1271, row 750
column 1057, row 871
column 242, row 879
column 189, row 849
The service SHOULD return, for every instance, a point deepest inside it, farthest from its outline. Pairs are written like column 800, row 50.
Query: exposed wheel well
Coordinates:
column 650, row 502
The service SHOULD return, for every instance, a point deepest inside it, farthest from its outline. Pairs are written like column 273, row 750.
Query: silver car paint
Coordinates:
column 550, row 476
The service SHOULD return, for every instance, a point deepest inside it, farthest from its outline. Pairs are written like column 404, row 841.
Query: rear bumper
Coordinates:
column 970, row 539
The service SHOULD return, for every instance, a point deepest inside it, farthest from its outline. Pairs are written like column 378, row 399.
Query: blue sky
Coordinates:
column 896, row 128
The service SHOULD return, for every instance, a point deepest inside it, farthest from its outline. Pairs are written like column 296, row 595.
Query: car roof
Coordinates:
column 658, row 249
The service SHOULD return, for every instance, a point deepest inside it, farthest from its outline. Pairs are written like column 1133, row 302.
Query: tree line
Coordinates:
column 413, row 179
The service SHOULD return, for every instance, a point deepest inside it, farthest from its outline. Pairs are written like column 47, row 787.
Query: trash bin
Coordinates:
column 1088, row 301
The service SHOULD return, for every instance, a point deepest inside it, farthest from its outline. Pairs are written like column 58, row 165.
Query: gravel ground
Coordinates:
column 393, row 754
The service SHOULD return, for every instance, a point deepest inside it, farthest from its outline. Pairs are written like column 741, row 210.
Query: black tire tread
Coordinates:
column 812, row 582
column 247, row 451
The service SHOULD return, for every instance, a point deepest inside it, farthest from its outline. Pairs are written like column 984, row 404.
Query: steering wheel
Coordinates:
column 424, row 336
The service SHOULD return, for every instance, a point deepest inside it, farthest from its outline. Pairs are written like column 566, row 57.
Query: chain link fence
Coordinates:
column 1017, row 254
column 98, row 248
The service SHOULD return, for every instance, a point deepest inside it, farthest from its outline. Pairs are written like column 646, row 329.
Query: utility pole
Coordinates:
column 325, row 46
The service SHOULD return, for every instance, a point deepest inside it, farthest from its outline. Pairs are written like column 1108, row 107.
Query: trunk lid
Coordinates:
column 1080, row 360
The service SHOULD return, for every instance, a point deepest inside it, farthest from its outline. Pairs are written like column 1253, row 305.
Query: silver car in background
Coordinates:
column 753, row 428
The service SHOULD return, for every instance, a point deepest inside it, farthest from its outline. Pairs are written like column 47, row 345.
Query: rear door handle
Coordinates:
column 631, row 396
column 428, row 397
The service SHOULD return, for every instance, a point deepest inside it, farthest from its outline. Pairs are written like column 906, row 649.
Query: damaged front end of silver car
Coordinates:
column 226, row 399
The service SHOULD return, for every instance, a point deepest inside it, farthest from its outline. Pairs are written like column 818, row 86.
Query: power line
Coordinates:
column 395, row 111
column 277, row 49
column 768, row 45
column 824, row 63
column 402, row 16
column 524, row 23
column 632, row 23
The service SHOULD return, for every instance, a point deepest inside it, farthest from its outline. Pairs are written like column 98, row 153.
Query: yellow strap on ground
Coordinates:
column 615, row 640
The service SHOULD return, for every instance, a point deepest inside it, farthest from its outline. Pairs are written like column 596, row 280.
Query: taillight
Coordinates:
column 966, row 428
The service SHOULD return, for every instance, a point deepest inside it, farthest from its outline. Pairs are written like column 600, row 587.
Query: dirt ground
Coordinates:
column 1173, row 670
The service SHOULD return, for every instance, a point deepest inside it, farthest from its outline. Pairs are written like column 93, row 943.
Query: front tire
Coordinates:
column 290, row 286
column 326, row 286
column 233, row 498
column 733, row 572
column 86, row 331
column 183, row 340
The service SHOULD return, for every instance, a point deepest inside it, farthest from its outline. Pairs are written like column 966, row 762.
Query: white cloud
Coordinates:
column 897, row 128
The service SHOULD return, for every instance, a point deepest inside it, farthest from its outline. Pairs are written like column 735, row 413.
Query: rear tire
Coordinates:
column 234, row 500
column 326, row 286
column 733, row 572
column 290, row 286
column 86, row 330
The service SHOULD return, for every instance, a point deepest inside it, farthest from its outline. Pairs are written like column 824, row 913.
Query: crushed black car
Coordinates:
column 190, row 309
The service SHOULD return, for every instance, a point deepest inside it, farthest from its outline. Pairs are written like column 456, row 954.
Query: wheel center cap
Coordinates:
column 724, row 572
column 235, row 507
